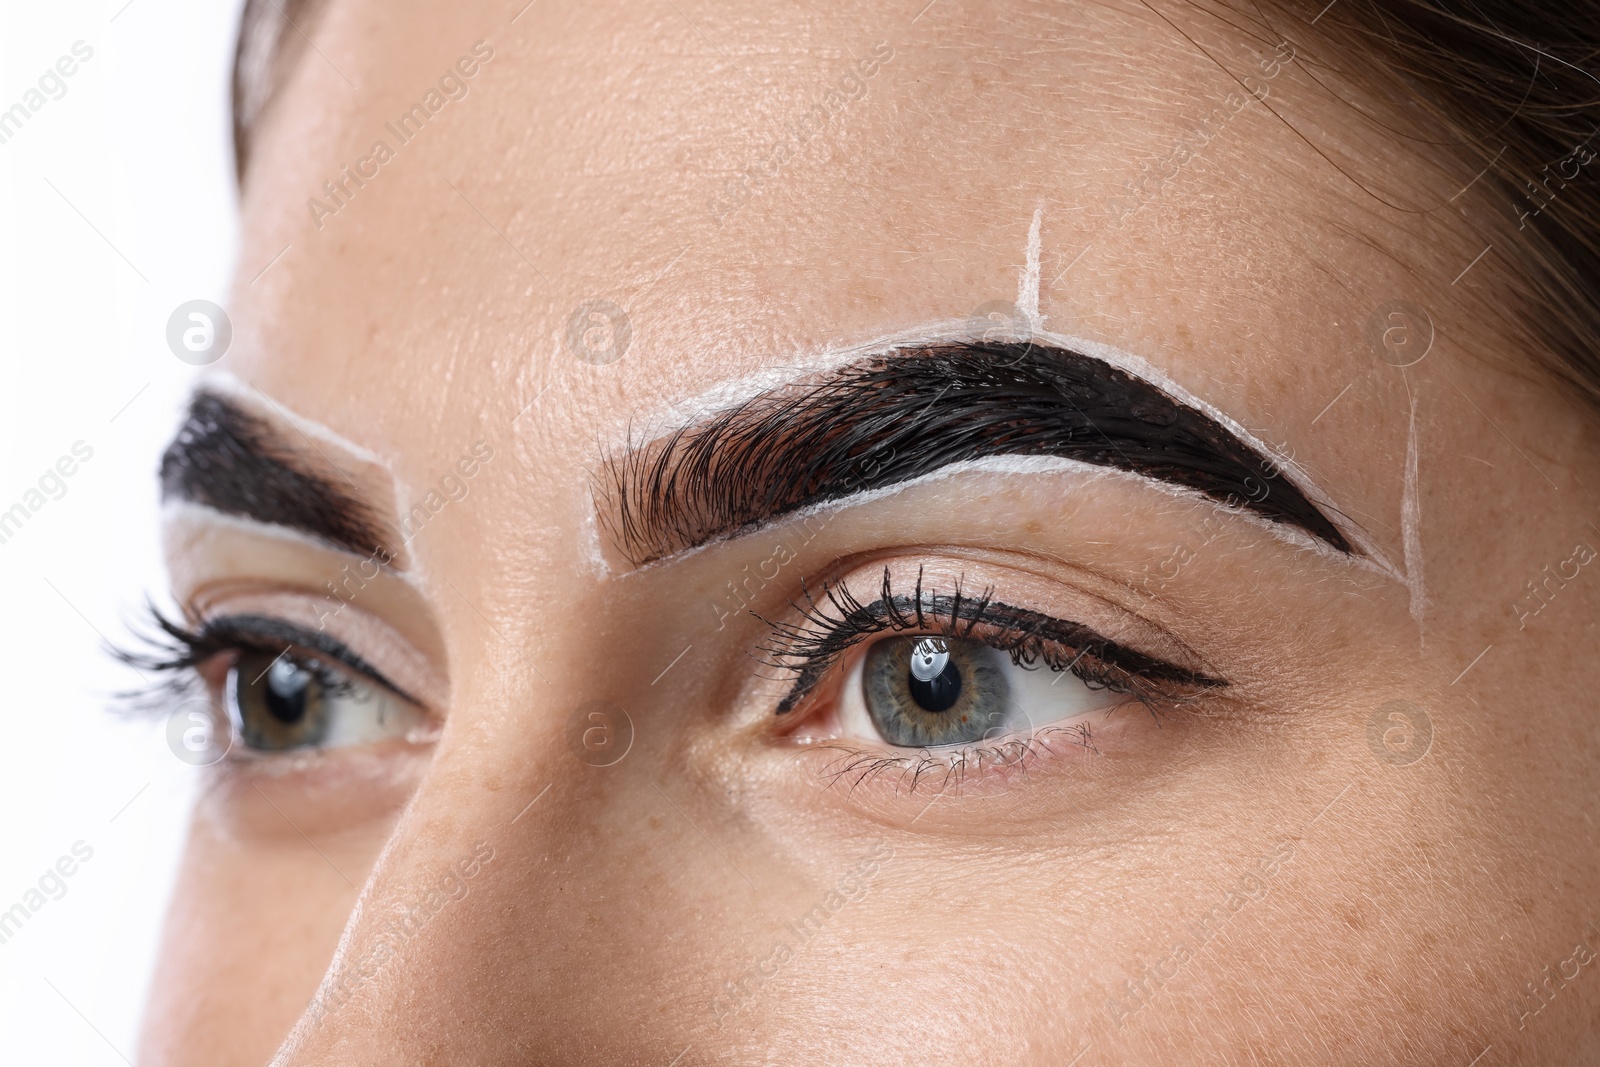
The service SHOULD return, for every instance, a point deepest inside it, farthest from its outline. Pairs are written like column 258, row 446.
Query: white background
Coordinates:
column 137, row 149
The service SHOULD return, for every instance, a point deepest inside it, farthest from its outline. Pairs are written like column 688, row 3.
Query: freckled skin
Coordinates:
column 1270, row 876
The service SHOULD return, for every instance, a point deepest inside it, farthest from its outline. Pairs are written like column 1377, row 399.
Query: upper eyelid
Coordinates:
column 1072, row 634
column 1027, row 623
column 258, row 630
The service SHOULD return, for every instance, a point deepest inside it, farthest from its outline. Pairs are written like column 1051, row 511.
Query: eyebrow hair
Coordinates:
column 228, row 459
column 912, row 410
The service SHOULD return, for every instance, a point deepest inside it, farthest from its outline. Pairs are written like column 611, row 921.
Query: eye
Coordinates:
column 281, row 686
column 292, row 700
column 964, row 678
column 931, row 692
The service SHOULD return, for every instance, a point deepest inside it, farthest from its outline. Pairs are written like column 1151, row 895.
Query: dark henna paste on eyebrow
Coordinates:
column 912, row 411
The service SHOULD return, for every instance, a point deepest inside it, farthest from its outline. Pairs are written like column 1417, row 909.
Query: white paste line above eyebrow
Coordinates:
column 228, row 385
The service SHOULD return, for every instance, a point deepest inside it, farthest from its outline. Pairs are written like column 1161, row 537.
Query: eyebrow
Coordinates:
column 232, row 461
column 912, row 410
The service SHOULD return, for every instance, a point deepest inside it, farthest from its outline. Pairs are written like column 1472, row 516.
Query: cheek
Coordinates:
column 257, row 910
column 249, row 934
column 357, row 790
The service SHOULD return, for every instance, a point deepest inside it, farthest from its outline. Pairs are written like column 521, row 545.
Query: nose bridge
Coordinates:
column 538, row 848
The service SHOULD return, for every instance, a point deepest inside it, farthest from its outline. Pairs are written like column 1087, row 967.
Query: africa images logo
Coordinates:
column 52, row 85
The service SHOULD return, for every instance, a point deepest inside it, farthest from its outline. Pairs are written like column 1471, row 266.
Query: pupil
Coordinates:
column 935, row 680
column 287, row 683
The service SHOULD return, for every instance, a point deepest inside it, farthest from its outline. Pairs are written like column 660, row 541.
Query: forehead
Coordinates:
column 715, row 191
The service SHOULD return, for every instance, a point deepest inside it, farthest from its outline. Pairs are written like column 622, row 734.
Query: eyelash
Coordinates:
column 864, row 766
column 809, row 648
column 177, row 652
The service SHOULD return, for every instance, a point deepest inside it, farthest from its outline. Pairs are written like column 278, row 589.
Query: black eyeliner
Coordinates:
column 810, row 649
column 180, row 648
column 245, row 629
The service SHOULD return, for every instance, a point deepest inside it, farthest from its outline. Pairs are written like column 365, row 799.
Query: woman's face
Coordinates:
column 873, row 532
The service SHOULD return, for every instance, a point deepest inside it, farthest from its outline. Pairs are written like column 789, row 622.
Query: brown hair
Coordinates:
column 272, row 36
column 1500, row 84
column 1507, row 83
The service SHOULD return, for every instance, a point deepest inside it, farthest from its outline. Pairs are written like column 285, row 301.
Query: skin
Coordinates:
column 1002, row 917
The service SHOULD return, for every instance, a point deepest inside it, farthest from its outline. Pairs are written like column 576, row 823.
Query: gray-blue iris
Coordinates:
column 922, row 692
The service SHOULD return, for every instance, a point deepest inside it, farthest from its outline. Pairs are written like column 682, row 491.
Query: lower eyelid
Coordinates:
column 871, row 777
column 841, row 764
